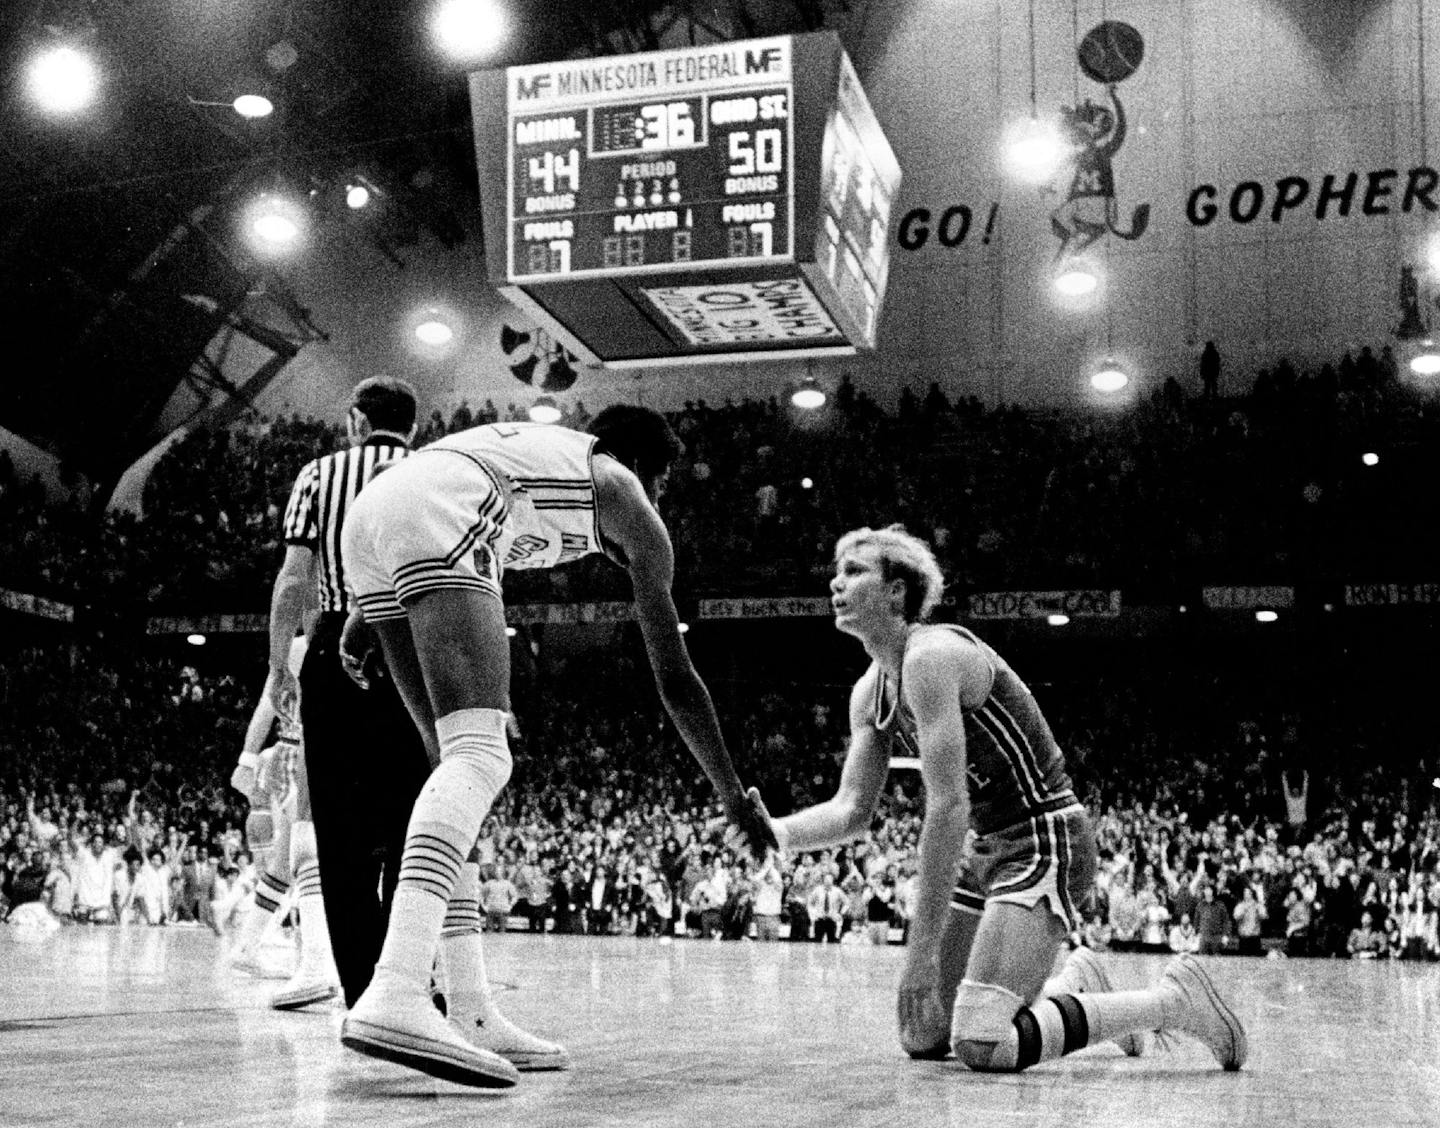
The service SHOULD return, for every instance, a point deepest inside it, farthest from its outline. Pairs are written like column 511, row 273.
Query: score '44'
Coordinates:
column 556, row 173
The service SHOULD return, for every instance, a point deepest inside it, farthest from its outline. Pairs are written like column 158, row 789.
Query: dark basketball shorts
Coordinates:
column 1049, row 857
column 429, row 522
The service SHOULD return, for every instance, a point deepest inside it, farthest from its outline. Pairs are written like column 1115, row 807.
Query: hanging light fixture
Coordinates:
column 1076, row 278
column 1109, row 377
column 809, row 395
column 544, row 410
column 1426, row 362
column 1034, row 148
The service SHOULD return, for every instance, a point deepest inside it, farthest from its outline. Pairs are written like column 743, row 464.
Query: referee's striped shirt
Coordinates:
column 319, row 501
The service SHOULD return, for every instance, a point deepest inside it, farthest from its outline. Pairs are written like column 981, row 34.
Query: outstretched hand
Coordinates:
column 750, row 826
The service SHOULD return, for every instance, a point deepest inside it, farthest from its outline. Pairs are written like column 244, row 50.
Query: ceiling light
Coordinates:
column 807, row 483
column 1426, row 362
column 544, row 410
column 1265, row 616
column 63, row 80
column 1370, row 458
column 808, row 395
column 433, row 332
column 469, row 28
column 1076, row 279
column 195, row 639
column 1109, row 377
column 684, row 628
column 1058, row 619
column 1034, row 150
column 356, row 196
column 510, row 632
column 253, row 106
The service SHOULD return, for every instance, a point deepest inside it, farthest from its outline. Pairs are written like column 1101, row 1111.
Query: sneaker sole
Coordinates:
column 303, row 997
column 1239, row 1044
column 425, row 1054
column 535, row 1063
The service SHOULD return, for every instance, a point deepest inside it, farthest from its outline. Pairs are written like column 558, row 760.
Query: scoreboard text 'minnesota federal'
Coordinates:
column 708, row 203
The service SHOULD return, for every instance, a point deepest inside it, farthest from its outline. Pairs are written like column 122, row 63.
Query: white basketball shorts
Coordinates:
column 430, row 521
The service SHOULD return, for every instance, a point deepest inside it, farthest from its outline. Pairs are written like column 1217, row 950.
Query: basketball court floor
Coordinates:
column 131, row 1026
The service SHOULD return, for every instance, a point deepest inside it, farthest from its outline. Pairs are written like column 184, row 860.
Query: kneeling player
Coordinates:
column 989, row 762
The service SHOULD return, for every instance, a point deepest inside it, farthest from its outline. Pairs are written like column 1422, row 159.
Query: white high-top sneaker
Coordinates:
column 399, row 1025
column 1193, row 1006
column 488, row 1029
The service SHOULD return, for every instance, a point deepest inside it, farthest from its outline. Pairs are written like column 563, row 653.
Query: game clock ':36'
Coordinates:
column 684, row 181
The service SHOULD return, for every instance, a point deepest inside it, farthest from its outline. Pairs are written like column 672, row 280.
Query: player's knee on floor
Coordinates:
column 983, row 1029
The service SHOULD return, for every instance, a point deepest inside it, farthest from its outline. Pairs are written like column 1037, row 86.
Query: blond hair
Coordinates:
column 903, row 556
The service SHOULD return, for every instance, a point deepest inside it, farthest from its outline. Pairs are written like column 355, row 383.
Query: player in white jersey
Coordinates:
column 282, row 838
column 425, row 543
column 988, row 761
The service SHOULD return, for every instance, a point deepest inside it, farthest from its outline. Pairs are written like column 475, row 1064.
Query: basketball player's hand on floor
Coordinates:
column 924, row 1023
column 750, row 827
column 358, row 644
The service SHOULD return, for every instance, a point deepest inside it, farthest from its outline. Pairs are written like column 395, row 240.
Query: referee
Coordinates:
column 364, row 756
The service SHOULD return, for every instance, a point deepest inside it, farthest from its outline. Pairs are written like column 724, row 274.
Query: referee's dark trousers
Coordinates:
column 366, row 764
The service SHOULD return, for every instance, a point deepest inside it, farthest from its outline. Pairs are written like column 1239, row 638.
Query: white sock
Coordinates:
column 474, row 765
column 316, row 957
column 467, row 990
column 1117, row 1013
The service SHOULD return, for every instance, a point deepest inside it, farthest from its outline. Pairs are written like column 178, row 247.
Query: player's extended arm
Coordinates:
column 845, row 816
column 294, row 587
column 632, row 523
column 935, row 667
column 243, row 779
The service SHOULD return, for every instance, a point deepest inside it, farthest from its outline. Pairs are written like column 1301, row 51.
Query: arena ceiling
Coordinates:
column 117, row 257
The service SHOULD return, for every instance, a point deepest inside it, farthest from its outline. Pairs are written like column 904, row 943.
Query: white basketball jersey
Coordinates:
column 552, row 509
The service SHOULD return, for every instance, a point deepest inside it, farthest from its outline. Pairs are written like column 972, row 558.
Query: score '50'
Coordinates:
column 766, row 153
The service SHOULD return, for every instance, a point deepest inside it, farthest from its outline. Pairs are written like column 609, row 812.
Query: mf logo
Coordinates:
column 762, row 62
column 1093, row 133
column 536, row 86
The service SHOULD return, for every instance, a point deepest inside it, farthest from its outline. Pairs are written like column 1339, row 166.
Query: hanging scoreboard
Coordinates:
column 722, row 202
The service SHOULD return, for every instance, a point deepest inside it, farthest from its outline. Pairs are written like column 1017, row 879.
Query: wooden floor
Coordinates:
column 136, row 1026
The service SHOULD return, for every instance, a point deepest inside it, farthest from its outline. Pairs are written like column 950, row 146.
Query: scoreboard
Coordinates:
column 716, row 202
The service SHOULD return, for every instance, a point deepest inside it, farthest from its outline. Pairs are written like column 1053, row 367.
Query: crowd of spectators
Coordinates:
column 1264, row 819
column 114, row 806
column 1169, row 492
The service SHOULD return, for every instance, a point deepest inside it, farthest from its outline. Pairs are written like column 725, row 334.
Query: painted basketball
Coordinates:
column 1111, row 52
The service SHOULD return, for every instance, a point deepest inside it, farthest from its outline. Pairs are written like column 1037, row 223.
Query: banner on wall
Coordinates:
column 1247, row 598
column 36, row 605
column 1391, row 595
column 1084, row 604
column 791, row 607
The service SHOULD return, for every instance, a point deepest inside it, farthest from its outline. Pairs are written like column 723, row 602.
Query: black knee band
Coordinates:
column 1028, row 1029
column 1072, row 1018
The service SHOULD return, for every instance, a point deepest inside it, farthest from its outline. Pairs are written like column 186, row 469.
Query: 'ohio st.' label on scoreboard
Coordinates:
column 783, row 309
column 642, row 163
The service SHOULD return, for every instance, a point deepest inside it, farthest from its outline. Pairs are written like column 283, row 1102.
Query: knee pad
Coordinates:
column 982, row 1026
column 259, row 831
column 302, row 845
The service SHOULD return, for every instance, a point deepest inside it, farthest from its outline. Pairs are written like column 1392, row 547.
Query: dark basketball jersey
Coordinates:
column 1015, row 767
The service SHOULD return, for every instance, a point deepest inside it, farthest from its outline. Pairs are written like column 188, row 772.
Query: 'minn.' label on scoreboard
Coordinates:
column 781, row 310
